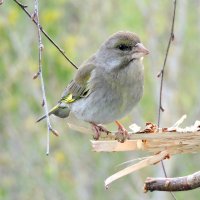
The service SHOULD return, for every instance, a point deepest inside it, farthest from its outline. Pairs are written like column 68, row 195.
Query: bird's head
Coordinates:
column 120, row 49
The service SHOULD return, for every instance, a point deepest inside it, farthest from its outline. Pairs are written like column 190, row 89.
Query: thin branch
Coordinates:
column 23, row 7
column 161, row 75
column 35, row 17
column 184, row 183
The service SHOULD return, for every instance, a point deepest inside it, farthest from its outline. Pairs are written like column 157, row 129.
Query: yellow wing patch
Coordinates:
column 68, row 99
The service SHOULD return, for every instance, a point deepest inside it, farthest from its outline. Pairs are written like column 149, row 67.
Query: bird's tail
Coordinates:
column 53, row 110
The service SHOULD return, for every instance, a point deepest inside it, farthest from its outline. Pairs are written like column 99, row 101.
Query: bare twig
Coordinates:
column 35, row 17
column 23, row 7
column 161, row 75
column 184, row 183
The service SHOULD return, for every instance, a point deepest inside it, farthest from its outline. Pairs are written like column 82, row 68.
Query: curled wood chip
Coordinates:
column 177, row 124
column 150, row 128
column 132, row 161
column 135, row 128
column 180, row 121
column 197, row 124
column 144, row 163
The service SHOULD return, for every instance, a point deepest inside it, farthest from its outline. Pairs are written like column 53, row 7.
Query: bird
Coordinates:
column 107, row 86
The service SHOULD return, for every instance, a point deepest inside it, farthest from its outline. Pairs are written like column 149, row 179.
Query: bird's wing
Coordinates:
column 78, row 87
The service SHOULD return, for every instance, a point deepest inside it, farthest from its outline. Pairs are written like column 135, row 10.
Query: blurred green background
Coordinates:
column 72, row 170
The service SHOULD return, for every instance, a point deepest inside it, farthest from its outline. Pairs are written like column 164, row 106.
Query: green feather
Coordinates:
column 54, row 109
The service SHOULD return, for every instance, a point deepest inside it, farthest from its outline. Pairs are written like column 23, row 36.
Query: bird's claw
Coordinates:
column 98, row 128
column 122, row 134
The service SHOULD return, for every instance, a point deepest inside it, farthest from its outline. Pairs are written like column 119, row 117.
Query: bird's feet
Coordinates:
column 98, row 128
column 122, row 133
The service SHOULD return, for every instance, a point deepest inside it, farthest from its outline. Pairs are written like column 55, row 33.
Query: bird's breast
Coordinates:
column 112, row 96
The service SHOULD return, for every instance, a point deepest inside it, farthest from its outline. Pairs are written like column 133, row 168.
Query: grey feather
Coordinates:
column 109, row 84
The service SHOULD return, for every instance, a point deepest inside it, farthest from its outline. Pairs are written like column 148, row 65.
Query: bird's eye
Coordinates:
column 124, row 47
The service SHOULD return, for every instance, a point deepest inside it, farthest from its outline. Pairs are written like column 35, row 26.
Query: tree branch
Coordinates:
column 35, row 18
column 23, row 7
column 184, row 183
column 161, row 74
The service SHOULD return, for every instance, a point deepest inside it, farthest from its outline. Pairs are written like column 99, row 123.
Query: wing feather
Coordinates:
column 79, row 86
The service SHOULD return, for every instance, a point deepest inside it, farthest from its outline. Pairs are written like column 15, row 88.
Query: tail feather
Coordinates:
column 53, row 110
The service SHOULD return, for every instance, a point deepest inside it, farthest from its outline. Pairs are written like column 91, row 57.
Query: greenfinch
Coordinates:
column 108, row 85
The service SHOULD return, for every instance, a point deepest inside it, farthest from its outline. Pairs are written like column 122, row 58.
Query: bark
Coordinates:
column 184, row 183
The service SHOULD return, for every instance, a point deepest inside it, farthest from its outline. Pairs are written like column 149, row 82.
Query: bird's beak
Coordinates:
column 142, row 49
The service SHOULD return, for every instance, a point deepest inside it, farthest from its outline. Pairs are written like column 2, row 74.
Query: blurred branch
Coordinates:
column 23, row 7
column 184, row 183
column 1, row 2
